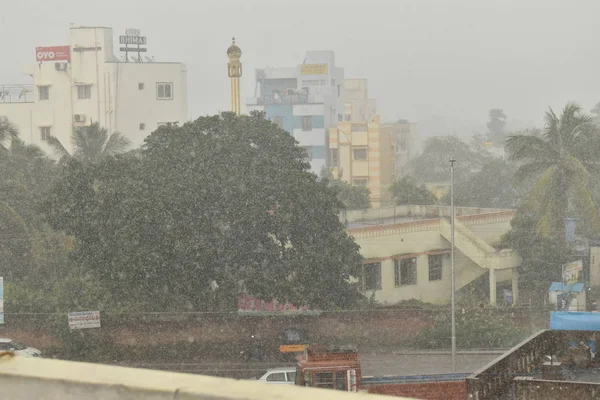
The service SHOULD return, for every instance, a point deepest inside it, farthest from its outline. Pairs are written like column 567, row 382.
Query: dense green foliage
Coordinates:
column 562, row 161
column 353, row 197
column 224, row 199
column 91, row 144
column 433, row 165
column 476, row 327
column 407, row 191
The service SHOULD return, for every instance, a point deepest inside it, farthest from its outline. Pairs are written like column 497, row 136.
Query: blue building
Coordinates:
column 305, row 100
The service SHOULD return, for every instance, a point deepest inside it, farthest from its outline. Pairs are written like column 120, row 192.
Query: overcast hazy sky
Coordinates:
column 444, row 63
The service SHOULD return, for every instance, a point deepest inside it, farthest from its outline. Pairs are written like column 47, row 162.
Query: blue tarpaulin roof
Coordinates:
column 574, row 321
column 561, row 287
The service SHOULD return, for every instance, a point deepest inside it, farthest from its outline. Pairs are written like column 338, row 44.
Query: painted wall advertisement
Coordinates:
column 84, row 319
column 1, row 300
column 571, row 272
column 313, row 69
column 54, row 53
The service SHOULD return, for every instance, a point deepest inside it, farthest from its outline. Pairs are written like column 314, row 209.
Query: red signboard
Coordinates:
column 249, row 303
column 54, row 53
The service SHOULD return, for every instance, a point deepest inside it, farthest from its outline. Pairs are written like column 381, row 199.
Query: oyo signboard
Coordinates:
column 54, row 53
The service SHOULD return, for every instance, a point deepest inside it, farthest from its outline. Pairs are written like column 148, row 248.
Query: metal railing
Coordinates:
column 17, row 93
column 495, row 380
column 526, row 388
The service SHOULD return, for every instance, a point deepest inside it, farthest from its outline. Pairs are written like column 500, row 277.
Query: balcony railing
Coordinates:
column 524, row 373
column 297, row 98
column 17, row 93
column 526, row 388
column 495, row 380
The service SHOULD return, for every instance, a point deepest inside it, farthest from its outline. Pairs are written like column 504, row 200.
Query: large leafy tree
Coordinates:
column 560, row 161
column 494, row 187
column 224, row 203
column 408, row 191
column 433, row 166
column 353, row 197
column 90, row 144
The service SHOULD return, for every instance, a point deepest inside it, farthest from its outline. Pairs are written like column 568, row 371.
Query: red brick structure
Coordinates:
column 427, row 390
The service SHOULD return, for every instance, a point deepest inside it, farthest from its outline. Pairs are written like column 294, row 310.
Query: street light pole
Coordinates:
column 453, row 275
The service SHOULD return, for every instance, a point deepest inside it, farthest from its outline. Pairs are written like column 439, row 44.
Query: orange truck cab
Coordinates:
column 330, row 368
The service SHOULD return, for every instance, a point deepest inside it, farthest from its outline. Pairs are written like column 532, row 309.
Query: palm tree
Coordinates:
column 8, row 130
column 559, row 161
column 91, row 144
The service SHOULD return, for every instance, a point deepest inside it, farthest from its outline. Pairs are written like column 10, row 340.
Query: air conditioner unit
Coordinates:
column 79, row 118
column 60, row 66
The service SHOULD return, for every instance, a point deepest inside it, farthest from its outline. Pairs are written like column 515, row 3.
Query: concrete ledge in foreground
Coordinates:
column 34, row 378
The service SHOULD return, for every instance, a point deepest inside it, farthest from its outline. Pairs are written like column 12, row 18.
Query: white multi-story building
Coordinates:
column 85, row 82
column 305, row 100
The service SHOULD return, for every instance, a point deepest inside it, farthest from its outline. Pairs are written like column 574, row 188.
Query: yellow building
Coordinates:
column 407, row 251
column 362, row 153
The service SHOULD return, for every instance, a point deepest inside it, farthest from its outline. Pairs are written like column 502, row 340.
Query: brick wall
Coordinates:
column 427, row 390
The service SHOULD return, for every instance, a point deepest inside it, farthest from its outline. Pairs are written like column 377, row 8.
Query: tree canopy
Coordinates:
column 433, row 165
column 560, row 161
column 226, row 200
column 407, row 191
column 91, row 144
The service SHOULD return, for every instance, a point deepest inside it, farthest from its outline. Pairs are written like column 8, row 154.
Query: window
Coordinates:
column 141, row 86
column 359, row 154
column 309, row 153
column 44, row 92
column 276, row 377
column 405, row 271
column 340, row 117
column 372, row 276
column 164, row 91
column 306, row 123
column 324, row 380
column 339, row 90
column 308, row 378
column 348, row 117
column 334, row 157
column 360, row 182
column 45, row 132
column 142, row 126
column 84, row 92
column 278, row 121
column 291, row 376
column 435, row 267
column 340, row 378
column 360, row 127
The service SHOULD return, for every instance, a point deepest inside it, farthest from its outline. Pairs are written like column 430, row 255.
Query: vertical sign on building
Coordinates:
column 351, row 377
column 1, row 300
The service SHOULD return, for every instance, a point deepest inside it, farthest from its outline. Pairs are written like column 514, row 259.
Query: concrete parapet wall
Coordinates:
column 31, row 378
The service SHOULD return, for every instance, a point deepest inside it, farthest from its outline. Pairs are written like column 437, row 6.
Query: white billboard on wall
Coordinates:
column 84, row 319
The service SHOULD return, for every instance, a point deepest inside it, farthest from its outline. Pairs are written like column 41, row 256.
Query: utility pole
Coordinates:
column 453, row 275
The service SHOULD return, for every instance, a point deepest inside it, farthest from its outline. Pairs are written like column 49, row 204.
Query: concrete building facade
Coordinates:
column 88, row 83
column 358, row 107
column 362, row 153
column 405, row 133
column 305, row 100
column 407, row 251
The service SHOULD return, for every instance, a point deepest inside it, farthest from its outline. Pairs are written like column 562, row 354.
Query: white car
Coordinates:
column 19, row 349
column 279, row 376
